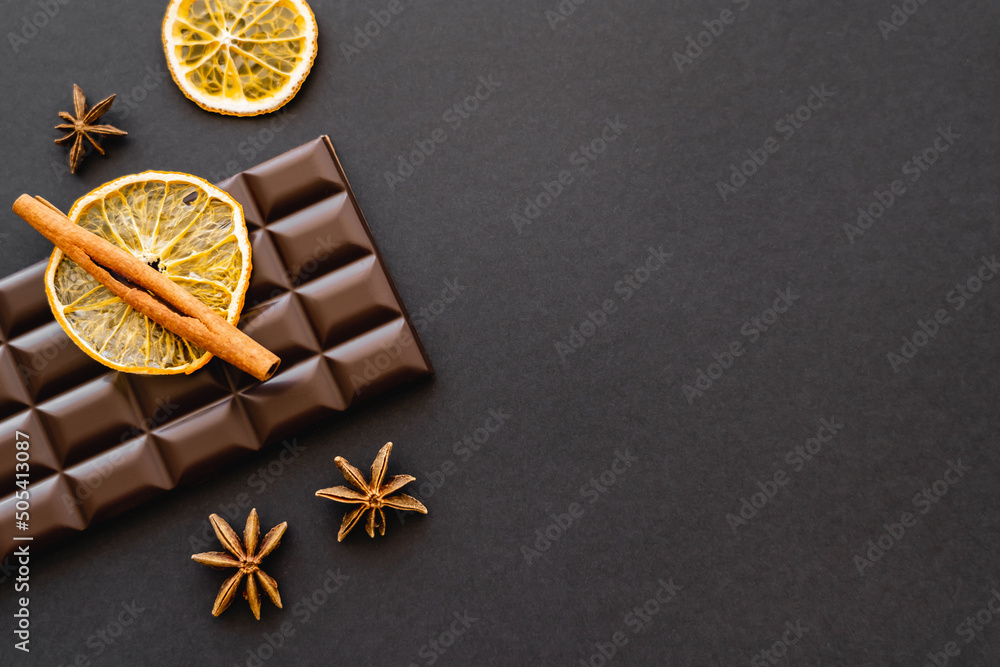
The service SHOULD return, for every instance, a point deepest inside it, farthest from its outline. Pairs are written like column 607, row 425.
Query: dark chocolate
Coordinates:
column 321, row 298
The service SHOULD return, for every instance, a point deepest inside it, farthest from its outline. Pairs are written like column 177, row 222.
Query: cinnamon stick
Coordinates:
column 152, row 294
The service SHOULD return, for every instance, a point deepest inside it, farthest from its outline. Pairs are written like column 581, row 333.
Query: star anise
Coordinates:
column 243, row 557
column 82, row 126
column 372, row 495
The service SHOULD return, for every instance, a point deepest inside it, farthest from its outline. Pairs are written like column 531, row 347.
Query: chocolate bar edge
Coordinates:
column 378, row 253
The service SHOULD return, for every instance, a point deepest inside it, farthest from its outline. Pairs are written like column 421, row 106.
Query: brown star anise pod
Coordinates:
column 82, row 126
column 372, row 495
column 245, row 559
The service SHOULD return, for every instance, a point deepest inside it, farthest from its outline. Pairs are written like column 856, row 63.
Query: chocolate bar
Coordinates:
column 102, row 442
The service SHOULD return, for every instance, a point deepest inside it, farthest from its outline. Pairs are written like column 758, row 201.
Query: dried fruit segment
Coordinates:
column 189, row 230
column 240, row 57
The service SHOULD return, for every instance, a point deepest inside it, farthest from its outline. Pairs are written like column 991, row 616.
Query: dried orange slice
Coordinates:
column 189, row 230
column 240, row 57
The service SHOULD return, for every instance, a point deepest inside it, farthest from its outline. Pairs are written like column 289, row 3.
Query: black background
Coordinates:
column 494, row 347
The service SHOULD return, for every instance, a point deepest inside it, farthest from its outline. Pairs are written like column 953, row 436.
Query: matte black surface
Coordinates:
column 446, row 230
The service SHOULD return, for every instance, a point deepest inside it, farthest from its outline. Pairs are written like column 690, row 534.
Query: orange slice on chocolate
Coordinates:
column 181, row 225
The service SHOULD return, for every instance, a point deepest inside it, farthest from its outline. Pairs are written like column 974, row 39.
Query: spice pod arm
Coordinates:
column 151, row 293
